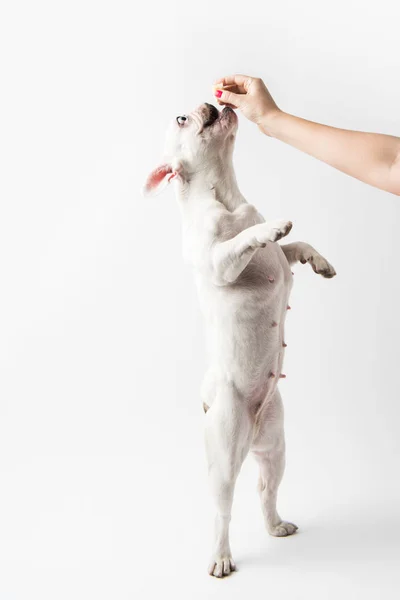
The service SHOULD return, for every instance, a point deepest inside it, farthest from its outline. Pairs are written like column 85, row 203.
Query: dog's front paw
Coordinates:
column 282, row 529
column 221, row 566
column 321, row 266
column 280, row 229
column 269, row 232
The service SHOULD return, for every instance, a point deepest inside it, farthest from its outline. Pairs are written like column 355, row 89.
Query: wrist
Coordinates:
column 273, row 122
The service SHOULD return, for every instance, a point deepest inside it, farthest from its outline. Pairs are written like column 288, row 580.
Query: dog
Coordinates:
column 244, row 279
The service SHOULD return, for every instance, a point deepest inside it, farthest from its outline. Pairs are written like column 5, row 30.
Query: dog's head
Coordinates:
column 195, row 143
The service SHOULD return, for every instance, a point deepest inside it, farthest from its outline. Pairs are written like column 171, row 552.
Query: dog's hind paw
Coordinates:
column 221, row 566
column 282, row 529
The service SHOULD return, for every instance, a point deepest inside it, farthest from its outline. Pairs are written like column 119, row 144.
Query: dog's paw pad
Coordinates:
column 221, row 566
column 283, row 529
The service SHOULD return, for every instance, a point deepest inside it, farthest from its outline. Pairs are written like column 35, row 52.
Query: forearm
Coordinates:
column 371, row 157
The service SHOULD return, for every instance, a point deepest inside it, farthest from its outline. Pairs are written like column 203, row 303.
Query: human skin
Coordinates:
column 373, row 158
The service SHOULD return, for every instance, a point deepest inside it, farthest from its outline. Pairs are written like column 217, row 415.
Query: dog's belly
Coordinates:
column 245, row 330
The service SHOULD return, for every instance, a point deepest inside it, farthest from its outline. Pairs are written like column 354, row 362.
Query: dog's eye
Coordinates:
column 181, row 120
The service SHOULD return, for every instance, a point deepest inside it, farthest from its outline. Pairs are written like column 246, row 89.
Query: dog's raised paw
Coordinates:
column 283, row 529
column 321, row 266
column 269, row 232
column 221, row 566
column 280, row 229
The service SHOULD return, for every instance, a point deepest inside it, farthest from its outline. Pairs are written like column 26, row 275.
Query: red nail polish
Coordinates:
column 218, row 93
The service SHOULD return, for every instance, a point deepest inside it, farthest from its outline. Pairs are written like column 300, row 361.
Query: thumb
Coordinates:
column 225, row 97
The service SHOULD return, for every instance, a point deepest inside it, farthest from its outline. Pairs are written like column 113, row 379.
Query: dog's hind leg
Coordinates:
column 228, row 433
column 302, row 252
column 268, row 449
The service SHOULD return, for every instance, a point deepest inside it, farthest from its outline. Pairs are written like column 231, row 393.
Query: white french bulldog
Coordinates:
column 244, row 281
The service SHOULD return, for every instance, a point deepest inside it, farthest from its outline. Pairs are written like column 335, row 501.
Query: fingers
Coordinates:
column 241, row 82
column 235, row 89
column 225, row 104
column 229, row 98
column 231, row 87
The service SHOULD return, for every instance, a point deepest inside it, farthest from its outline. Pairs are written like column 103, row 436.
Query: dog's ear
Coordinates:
column 158, row 179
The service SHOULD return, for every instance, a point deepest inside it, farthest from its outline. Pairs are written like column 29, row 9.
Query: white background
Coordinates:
column 103, row 490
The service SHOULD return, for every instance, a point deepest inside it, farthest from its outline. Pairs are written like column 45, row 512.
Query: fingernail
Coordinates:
column 218, row 93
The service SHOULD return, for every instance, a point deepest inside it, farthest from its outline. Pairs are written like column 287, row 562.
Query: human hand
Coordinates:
column 250, row 96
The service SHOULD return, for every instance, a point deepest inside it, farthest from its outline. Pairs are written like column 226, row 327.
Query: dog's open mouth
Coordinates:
column 214, row 115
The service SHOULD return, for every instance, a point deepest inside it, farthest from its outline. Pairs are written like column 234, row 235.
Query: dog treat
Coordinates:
column 222, row 87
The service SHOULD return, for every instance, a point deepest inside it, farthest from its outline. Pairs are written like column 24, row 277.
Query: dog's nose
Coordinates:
column 212, row 116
